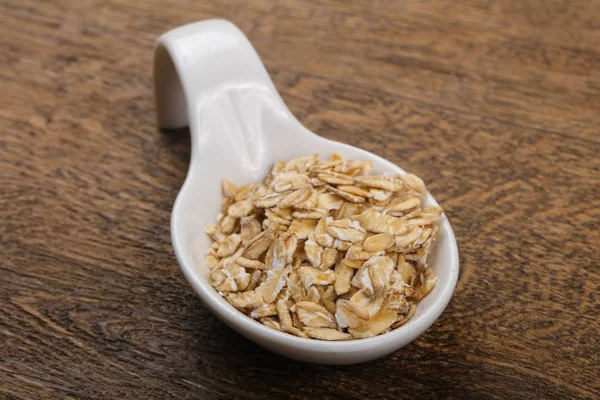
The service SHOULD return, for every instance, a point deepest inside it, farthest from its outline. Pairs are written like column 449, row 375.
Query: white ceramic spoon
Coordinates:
column 208, row 76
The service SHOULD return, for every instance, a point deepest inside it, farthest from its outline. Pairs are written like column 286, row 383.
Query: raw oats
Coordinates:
column 312, row 276
column 378, row 242
column 375, row 325
column 249, row 300
column 266, row 310
column 312, row 314
column 303, row 227
column 271, row 323
column 350, row 315
column 343, row 276
column 328, row 298
column 312, row 295
column 326, row 250
column 326, row 334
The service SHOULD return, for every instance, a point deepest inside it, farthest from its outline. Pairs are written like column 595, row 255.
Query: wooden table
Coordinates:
column 495, row 104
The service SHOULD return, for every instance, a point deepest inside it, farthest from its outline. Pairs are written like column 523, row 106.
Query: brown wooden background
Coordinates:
column 496, row 104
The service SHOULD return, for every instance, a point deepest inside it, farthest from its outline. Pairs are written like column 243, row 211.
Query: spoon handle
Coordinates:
column 194, row 63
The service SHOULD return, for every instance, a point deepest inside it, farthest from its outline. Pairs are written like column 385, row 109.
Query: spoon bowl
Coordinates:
column 208, row 76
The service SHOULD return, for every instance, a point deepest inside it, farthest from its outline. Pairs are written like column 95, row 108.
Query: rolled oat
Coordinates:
column 326, row 250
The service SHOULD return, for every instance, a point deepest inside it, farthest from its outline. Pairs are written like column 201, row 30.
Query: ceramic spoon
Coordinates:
column 208, row 76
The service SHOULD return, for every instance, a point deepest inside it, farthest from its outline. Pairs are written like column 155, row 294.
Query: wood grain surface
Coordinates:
column 496, row 104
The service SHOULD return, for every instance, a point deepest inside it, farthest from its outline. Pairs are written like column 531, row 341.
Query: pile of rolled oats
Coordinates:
column 324, row 250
